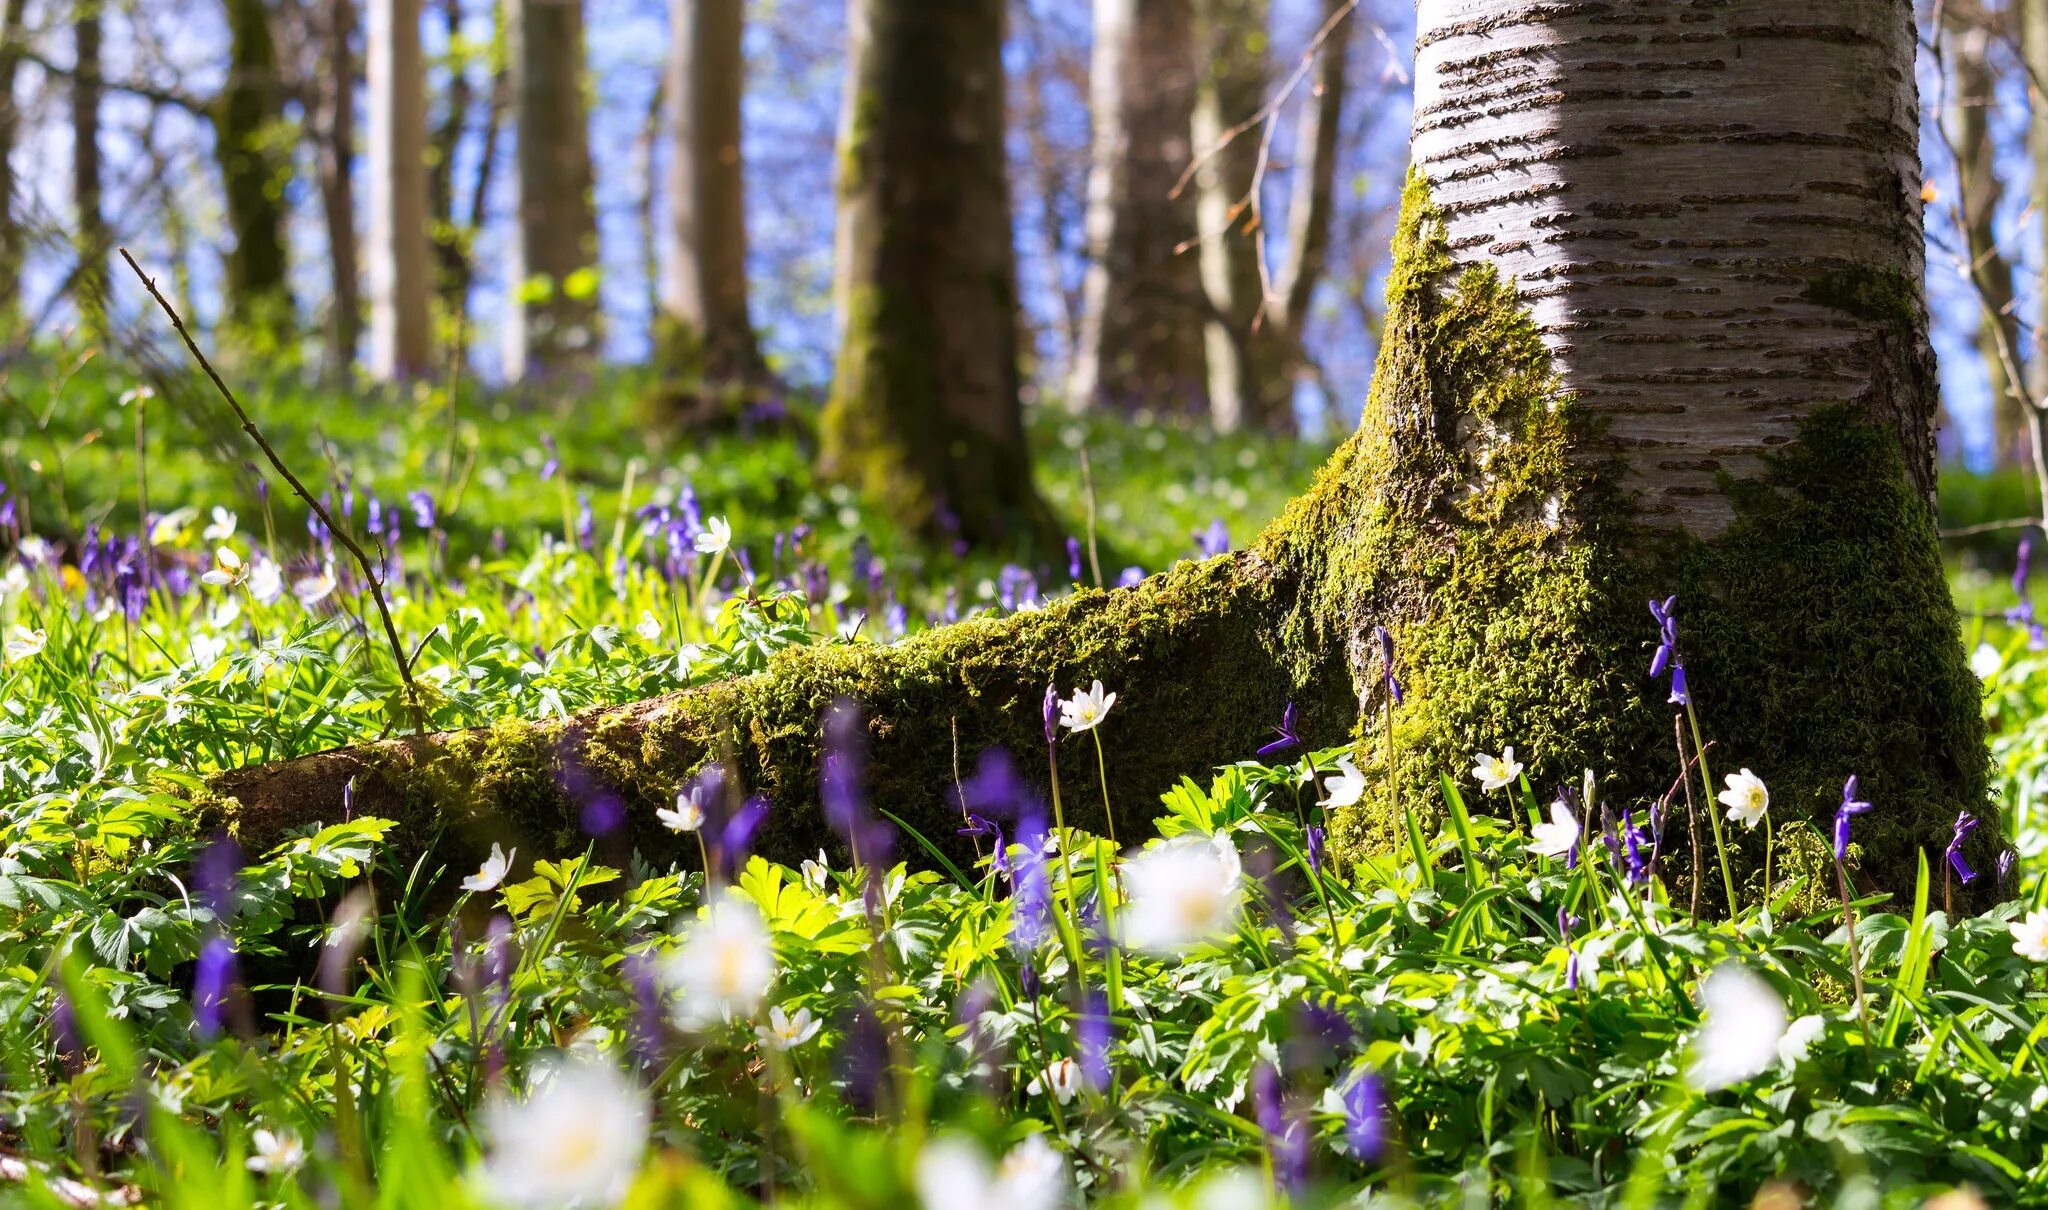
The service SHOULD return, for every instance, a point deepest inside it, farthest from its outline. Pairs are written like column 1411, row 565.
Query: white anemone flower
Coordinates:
column 1742, row 1022
column 649, row 628
column 25, row 644
column 1182, row 892
column 1346, row 787
column 816, row 872
column 266, row 580
column 576, row 1140
column 686, row 816
column 491, row 872
column 223, row 526
column 1799, row 1038
column 714, row 537
column 954, row 1174
column 1986, row 661
column 1496, row 772
column 724, row 966
column 1086, row 709
column 278, row 1152
column 786, row 1031
column 2030, row 936
column 313, row 589
column 1746, row 799
column 1061, row 1077
column 227, row 570
column 1556, row 838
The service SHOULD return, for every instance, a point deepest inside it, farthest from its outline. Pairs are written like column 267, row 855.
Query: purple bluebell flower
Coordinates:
column 1315, row 837
column 215, row 875
column 736, row 839
column 1667, row 657
column 1566, row 922
column 1286, row 1134
column 1288, row 732
column 1365, row 1114
column 1966, row 823
column 213, row 982
column 1130, row 577
column 1030, row 889
column 554, row 458
column 2006, row 860
column 1051, row 710
column 1213, row 541
column 864, row 1059
column 840, row 789
column 1092, row 1035
column 996, row 787
column 1636, row 841
column 1850, row 808
column 424, row 513
column 1388, row 681
column 586, row 522
column 602, row 814
column 1074, row 559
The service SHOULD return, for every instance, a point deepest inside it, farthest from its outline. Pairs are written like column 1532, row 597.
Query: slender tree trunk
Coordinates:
column 1245, row 387
column 248, row 121
column 1313, row 183
column 1142, row 305
column 1626, row 355
column 707, row 333
column 89, row 284
column 2032, row 18
column 333, row 154
column 451, row 256
column 13, row 229
column 924, row 414
column 401, row 272
column 551, row 322
column 1043, row 169
column 1971, row 86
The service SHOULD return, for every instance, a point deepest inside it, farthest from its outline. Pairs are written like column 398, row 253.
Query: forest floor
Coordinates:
column 1523, row 1004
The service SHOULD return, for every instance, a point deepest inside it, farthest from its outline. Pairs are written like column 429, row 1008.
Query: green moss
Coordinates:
column 1467, row 516
column 1867, row 292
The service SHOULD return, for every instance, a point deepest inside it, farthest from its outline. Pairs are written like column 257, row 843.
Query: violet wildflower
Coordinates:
column 1074, row 559
column 1052, row 712
column 1091, row 1039
column 736, row 839
column 1667, row 657
column 1850, row 808
column 1365, row 1108
column 996, row 788
column 554, row 459
column 1315, row 838
column 215, row 875
column 1966, row 823
column 1130, row 577
column 2006, row 860
column 213, row 982
column 1288, row 732
column 1635, row 841
column 1214, row 540
column 1388, row 680
column 1030, row 888
column 1286, row 1133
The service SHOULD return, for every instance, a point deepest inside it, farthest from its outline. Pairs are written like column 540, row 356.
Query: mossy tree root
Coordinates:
column 1190, row 654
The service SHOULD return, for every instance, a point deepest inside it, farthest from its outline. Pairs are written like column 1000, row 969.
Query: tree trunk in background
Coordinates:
column 1142, row 305
column 13, row 230
column 401, row 324
column 1246, row 388
column 706, row 330
column 924, row 415
column 334, row 93
column 89, row 284
column 1313, row 184
column 1625, row 356
column 248, row 124
column 2032, row 18
column 551, row 316
column 1971, row 89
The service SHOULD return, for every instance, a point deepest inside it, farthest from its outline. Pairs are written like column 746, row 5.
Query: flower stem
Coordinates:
column 1707, row 778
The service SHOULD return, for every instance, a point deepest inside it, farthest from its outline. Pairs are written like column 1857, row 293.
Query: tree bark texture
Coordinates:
column 334, row 92
column 89, row 284
column 13, row 231
column 924, row 414
column 709, row 332
column 1708, row 377
column 249, row 142
column 1142, row 305
column 401, row 323
column 551, row 321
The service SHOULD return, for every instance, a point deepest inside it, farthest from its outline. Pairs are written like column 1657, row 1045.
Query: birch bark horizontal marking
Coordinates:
column 1683, row 315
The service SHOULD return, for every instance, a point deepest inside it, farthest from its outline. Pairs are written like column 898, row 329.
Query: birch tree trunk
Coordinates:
column 1142, row 306
column 1654, row 327
column 248, row 122
column 924, row 414
column 551, row 321
column 709, row 335
column 1971, row 88
column 1246, row 387
column 13, row 231
column 401, row 328
column 89, row 284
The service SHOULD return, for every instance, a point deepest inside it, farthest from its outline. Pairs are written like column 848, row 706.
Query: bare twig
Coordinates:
column 341, row 535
